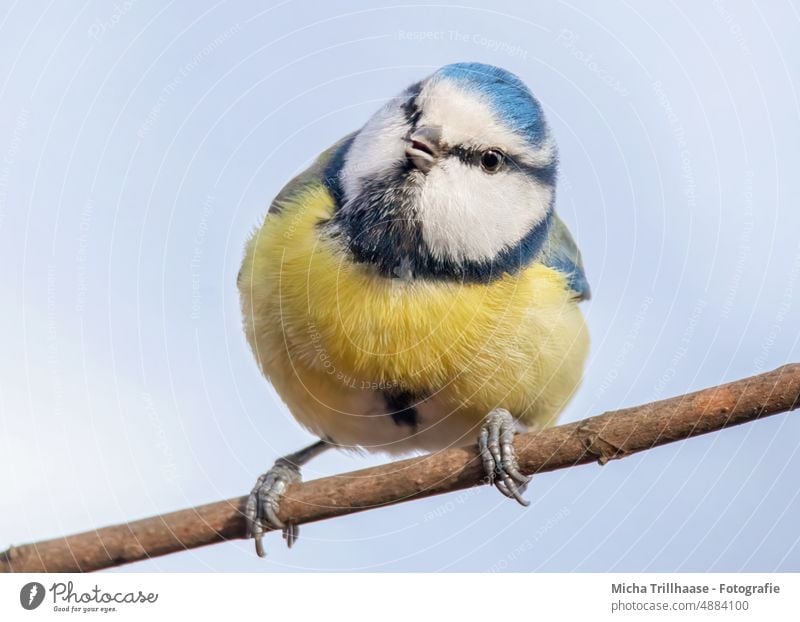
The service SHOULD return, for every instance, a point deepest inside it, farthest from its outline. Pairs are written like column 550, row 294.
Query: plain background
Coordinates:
column 141, row 141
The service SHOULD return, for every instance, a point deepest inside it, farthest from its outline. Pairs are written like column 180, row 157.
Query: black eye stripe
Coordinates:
column 544, row 174
column 467, row 156
column 474, row 157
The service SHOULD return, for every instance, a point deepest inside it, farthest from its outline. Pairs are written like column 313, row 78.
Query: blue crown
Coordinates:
column 508, row 96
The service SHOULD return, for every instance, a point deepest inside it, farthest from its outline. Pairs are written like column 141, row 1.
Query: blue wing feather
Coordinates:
column 561, row 253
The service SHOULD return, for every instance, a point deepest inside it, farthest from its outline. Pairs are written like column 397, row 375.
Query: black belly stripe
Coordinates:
column 400, row 406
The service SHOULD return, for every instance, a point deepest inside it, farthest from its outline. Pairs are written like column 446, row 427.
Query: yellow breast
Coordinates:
column 517, row 342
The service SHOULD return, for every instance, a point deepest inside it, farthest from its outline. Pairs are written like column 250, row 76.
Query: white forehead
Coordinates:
column 468, row 118
column 376, row 148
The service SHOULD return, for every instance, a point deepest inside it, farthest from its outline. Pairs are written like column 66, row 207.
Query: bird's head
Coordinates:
column 454, row 178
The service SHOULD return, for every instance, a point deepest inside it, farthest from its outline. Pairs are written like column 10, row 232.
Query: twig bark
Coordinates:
column 601, row 438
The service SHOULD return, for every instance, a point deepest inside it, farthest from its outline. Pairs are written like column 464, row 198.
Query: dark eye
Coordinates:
column 492, row 160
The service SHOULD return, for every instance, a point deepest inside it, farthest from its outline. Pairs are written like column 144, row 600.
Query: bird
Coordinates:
column 414, row 288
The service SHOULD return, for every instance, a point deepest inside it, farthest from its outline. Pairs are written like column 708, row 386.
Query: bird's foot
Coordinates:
column 498, row 455
column 261, row 510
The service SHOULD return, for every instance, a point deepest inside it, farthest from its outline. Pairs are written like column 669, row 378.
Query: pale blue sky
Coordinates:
column 140, row 144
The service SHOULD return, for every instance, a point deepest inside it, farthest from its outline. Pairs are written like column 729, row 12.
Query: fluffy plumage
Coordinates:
column 335, row 339
column 399, row 290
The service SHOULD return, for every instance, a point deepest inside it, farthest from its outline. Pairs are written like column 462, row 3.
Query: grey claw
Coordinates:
column 519, row 477
column 260, row 545
column 261, row 509
column 501, row 486
column 516, row 492
column 495, row 443
column 272, row 517
column 486, row 456
column 290, row 534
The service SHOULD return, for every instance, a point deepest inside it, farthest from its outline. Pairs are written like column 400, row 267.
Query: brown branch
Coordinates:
column 602, row 438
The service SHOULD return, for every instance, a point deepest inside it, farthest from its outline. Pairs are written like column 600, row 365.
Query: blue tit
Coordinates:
column 414, row 289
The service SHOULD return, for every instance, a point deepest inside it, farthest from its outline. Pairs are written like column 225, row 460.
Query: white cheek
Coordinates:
column 467, row 214
column 375, row 149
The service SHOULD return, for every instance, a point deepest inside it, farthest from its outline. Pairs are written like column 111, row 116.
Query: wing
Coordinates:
column 321, row 171
column 561, row 253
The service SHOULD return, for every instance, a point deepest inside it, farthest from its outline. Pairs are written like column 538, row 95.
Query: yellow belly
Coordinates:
column 331, row 335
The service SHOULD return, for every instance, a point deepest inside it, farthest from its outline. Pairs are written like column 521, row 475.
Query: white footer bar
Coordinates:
column 401, row 597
